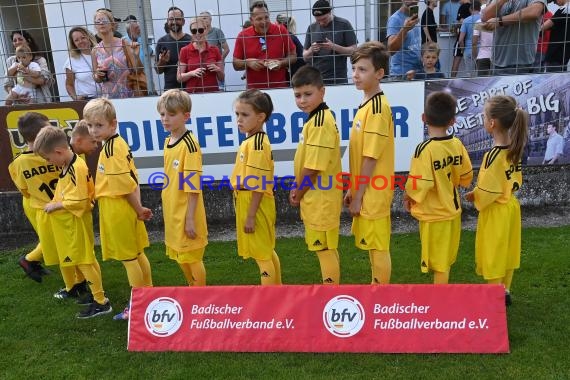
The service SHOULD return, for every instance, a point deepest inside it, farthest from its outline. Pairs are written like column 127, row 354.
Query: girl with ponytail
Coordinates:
column 498, row 239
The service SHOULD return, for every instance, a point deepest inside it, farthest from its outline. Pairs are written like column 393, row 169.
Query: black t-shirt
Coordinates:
column 172, row 65
column 428, row 19
column 559, row 45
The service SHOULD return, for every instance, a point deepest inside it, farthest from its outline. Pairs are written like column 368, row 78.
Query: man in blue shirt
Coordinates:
column 466, row 38
column 134, row 35
column 404, row 40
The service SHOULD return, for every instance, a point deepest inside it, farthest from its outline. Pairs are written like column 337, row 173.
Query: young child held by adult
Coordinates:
column 430, row 57
column 371, row 154
column 70, row 215
column 498, row 237
column 439, row 165
column 36, row 179
column 317, row 162
column 185, row 228
column 121, row 214
column 254, row 201
column 24, row 69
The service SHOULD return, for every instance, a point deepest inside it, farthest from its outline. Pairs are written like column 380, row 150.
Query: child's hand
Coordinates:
column 249, row 227
column 293, row 198
column 470, row 196
column 347, row 199
column 144, row 213
column 52, row 206
column 355, row 206
column 190, row 229
column 408, row 203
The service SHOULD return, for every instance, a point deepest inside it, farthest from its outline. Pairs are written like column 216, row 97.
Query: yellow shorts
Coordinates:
column 261, row 243
column 498, row 239
column 73, row 238
column 123, row 236
column 46, row 235
column 321, row 240
column 372, row 234
column 189, row 257
column 440, row 243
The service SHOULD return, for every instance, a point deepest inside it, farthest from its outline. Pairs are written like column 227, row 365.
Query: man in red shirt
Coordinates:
column 264, row 50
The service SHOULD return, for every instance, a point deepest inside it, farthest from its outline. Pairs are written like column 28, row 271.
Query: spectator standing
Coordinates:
column 516, row 25
column 554, row 146
column 289, row 23
column 215, row 36
column 116, row 22
column 482, row 49
column 466, row 37
column 463, row 12
column 448, row 14
column 79, row 81
column 168, row 47
column 542, row 46
column 429, row 26
column 264, row 50
column 134, row 36
column 329, row 41
column 404, row 40
column 109, row 60
column 200, row 65
column 558, row 51
column 43, row 82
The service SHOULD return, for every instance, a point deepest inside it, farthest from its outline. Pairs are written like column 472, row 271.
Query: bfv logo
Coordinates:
column 163, row 317
column 343, row 316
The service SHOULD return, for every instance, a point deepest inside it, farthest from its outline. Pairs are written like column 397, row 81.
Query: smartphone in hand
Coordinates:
column 414, row 10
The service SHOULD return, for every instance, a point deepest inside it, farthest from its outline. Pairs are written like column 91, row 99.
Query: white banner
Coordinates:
column 212, row 122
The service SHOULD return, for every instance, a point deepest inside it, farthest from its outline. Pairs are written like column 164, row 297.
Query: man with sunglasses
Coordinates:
column 264, row 50
column 168, row 47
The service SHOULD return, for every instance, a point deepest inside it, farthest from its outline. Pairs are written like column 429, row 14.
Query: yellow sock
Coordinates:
column 277, row 266
column 35, row 254
column 134, row 273
column 495, row 281
column 508, row 279
column 93, row 277
column 145, row 268
column 381, row 265
column 187, row 271
column 79, row 277
column 198, row 273
column 68, row 275
column 267, row 272
column 330, row 268
column 440, row 277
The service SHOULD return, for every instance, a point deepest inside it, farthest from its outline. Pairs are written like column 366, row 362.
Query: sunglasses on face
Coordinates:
column 199, row 30
column 102, row 22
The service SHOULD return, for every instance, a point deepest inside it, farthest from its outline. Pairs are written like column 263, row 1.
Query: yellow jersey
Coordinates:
column 116, row 172
column 498, row 178
column 438, row 167
column 372, row 135
column 254, row 167
column 183, row 167
column 34, row 177
column 319, row 149
column 75, row 189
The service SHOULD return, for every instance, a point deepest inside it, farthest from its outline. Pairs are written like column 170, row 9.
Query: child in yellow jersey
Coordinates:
column 498, row 238
column 121, row 214
column 317, row 162
column 371, row 155
column 185, row 229
column 252, row 181
column 440, row 164
column 70, row 215
column 81, row 141
column 36, row 180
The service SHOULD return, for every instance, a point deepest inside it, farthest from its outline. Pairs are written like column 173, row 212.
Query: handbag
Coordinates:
column 136, row 79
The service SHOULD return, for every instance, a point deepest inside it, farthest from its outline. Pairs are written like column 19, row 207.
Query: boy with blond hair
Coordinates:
column 440, row 165
column 81, row 141
column 121, row 214
column 185, row 229
column 70, row 215
column 371, row 154
column 317, row 162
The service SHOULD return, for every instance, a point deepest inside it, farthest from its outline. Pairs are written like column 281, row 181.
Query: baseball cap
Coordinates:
column 321, row 7
column 130, row 18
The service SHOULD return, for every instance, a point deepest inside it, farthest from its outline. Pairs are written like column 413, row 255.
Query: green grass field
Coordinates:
column 41, row 338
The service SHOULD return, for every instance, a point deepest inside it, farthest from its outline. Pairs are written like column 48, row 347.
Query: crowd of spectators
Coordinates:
column 493, row 37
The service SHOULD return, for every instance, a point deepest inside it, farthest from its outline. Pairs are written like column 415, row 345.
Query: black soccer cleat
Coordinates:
column 31, row 268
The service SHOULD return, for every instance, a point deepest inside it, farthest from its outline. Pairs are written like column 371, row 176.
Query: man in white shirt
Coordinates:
column 554, row 146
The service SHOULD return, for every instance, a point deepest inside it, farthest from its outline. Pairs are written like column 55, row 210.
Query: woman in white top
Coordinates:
column 79, row 81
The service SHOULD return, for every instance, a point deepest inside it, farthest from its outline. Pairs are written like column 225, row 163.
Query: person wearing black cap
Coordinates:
column 329, row 41
column 134, row 35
